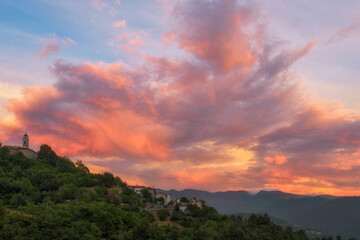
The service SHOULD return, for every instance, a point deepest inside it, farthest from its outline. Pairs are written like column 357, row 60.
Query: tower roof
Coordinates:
column 25, row 135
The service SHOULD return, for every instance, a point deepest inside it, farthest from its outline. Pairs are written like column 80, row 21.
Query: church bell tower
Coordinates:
column 26, row 141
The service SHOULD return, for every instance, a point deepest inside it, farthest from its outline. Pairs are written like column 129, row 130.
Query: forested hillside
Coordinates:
column 53, row 198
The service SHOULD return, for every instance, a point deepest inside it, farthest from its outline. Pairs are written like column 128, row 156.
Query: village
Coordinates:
column 159, row 200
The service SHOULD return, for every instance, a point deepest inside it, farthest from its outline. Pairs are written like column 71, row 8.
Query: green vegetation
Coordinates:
column 53, row 198
column 163, row 214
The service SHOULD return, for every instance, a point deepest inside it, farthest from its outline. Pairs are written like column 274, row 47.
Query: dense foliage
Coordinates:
column 53, row 198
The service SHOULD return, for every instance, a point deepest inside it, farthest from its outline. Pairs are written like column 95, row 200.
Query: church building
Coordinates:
column 29, row 153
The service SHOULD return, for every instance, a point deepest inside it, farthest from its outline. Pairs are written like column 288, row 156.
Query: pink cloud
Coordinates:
column 136, row 41
column 343, row 33
column 109, row 6
column 99, row 4
column 232, row 114
column 130, row 40
column 53, row 45
column 212, row 40
column 121, row 23
column 169, row 38
column 48, row 49
column 68, row 40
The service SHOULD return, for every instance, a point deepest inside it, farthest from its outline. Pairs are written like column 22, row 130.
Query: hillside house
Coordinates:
column 183, row 207
column 138, row 190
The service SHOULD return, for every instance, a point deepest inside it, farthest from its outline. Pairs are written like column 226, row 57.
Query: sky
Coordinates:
column 203, row 94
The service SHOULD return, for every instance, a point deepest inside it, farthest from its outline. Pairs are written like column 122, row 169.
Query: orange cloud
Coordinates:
column 74, row 128
column 279, row 160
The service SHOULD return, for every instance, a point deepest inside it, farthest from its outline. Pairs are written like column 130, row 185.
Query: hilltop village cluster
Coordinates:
column 165, row 199
column 156, row 197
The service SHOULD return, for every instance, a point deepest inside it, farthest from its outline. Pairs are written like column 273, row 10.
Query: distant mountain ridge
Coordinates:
column 324, row 213
column 231, row 202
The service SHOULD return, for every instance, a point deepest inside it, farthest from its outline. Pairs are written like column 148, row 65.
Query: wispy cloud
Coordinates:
column 346, row 32
column 52, row 45
column 121, row 23
column 99, row 4
column 48, row 49
column 109, row 5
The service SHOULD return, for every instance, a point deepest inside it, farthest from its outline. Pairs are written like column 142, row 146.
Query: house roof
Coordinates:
column 20, row 148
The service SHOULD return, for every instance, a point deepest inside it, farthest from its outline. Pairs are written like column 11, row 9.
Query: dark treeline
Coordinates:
column 53, row 198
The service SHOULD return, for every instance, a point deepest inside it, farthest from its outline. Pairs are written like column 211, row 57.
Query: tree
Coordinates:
column 17, row 200
column 118, row 182
column 163, row 214
column 6, row 185
column 25, row 186
column 65, row 165
column 2, row 213
column 101, row 191
column 184, row 200
column 46, row 153
column 69, row 192
column 45, row 181
column 81, row 166
column 146, row 195
column 106, row 179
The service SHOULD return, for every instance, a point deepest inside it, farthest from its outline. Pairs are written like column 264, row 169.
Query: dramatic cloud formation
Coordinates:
column 229, row 114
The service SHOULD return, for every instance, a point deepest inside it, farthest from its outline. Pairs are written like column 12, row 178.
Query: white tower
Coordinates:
column 26, row 141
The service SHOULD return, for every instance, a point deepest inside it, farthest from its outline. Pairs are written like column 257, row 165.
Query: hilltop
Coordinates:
column 53, row 198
